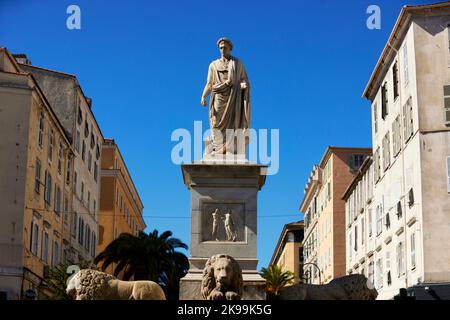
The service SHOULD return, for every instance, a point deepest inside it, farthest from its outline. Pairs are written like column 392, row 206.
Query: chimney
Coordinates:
column 22, row 58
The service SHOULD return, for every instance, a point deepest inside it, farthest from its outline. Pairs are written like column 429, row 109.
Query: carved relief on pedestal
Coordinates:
column 223, row 222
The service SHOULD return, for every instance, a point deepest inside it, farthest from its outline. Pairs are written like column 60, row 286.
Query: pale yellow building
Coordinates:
column 120, row 206
column 288, row 253
column 35, row 183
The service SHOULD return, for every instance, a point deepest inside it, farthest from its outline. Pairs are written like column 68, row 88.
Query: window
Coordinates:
column 405, row 64
column 448, row 174
column 387, row 220
column 45, row 246
column 328, row 191
column 57, row 200
column 93, row 244
column 396, row 136
column 34, row 237
column 411, row 197
column 377, row 165
column 80, row 114
column 413, row 250
column 60, row 153
column 51, row 137
column 386, row 152
column 83, row 151
column 82, row 191
column 399, row 210
column 77, row 141
column 92, row 140
column 74, row 224
column 384, row 101
column 375, row 118
column 379, row 218
column 41, row 129
column 407, row 120
column 358, row 160
column 95, row 207
column 87, row 240
column 48, row 188
column 388, row 262
column 371, row 272
column 362, row 230
column 37, row 176
column 89, row 161
column 66, row 210
column 86, row 129
column 68, row 171
column 379, row 274
column 395, row 79
column 400, row 262
column 356, row 239
column 370, row 222
column 80, row 231
column 97, row 152
column 89, row 200
column 95, row 171
column 75, row 180
column 55, row 256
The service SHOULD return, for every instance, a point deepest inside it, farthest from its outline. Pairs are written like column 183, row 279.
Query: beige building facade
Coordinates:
column 74, row 110
column 36, row 159
column 323, row 209
column 409, row 91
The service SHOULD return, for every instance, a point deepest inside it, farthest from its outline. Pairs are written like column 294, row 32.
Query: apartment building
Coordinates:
column 121, row 207
column 36, row 159
column 74, row 111
column 409, row 91
column 288, row 253
column 324, row 210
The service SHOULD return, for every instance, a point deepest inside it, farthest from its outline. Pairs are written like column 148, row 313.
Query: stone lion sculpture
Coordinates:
column 351, row 287
column 89, row 284
column 222, row 278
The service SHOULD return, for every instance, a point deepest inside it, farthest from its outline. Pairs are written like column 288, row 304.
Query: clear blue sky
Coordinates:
column 144, row 64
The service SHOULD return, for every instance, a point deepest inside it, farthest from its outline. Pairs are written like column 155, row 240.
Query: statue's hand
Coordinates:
column 203, row 102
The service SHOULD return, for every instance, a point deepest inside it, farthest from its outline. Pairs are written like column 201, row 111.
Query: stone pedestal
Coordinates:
column 223, row 187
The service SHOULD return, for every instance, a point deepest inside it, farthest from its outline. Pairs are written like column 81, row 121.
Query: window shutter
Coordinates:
column 411, row 197
column 399, row 209
column 387, row 220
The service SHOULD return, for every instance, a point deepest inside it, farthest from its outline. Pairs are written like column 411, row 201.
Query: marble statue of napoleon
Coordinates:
column 229, row 105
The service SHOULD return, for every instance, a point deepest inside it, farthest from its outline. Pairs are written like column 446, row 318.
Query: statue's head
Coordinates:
column 225, row 46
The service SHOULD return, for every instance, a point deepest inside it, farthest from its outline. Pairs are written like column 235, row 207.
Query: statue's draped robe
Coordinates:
column 230, row 108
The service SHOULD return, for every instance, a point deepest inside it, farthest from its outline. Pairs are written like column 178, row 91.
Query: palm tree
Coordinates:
column 276, row 280
column 53, row 286
column 147, row 257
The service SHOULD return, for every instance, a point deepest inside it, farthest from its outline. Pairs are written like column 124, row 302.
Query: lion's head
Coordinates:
column 88, row 284
column 222, row 273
